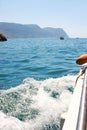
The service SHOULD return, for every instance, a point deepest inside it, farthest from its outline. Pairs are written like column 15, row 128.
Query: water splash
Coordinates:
column 36, row 105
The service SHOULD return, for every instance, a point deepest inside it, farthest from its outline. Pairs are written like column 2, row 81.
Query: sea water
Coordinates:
column 37, row 79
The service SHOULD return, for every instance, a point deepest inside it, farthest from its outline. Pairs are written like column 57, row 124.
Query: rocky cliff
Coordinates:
column 13, row 30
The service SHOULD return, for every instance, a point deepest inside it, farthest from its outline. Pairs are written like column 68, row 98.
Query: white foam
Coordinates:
column 40, row 92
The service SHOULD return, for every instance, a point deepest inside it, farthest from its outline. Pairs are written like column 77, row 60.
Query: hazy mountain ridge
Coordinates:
column 14, row 30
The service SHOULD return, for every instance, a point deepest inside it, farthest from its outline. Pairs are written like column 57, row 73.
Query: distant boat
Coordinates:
column 61, row 38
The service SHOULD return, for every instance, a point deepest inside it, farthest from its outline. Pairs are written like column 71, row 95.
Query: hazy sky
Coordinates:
column 71, row 15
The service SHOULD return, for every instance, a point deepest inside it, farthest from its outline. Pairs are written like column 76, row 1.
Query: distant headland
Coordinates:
column 14, row 30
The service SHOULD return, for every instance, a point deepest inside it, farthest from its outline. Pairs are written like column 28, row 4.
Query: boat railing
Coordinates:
column 76, row 118
column 82, row 115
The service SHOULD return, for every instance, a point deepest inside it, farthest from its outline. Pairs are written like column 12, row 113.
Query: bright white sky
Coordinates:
column 71, row 15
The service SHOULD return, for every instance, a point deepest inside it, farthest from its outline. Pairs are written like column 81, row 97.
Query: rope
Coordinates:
column 84, row 67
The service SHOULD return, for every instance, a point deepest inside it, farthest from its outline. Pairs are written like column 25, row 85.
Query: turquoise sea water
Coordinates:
column 37, row 78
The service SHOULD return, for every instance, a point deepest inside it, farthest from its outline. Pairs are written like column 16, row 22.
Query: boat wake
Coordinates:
column 36, row 105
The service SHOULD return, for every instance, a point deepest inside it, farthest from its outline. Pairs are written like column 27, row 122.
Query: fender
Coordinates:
column 82, row 59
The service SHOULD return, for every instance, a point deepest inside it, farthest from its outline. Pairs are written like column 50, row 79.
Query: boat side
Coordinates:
column 72, row 114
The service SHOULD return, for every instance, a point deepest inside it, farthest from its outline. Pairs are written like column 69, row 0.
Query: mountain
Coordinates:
column 14, row 30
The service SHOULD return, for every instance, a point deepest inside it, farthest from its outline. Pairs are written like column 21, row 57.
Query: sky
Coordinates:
column 71, row 15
